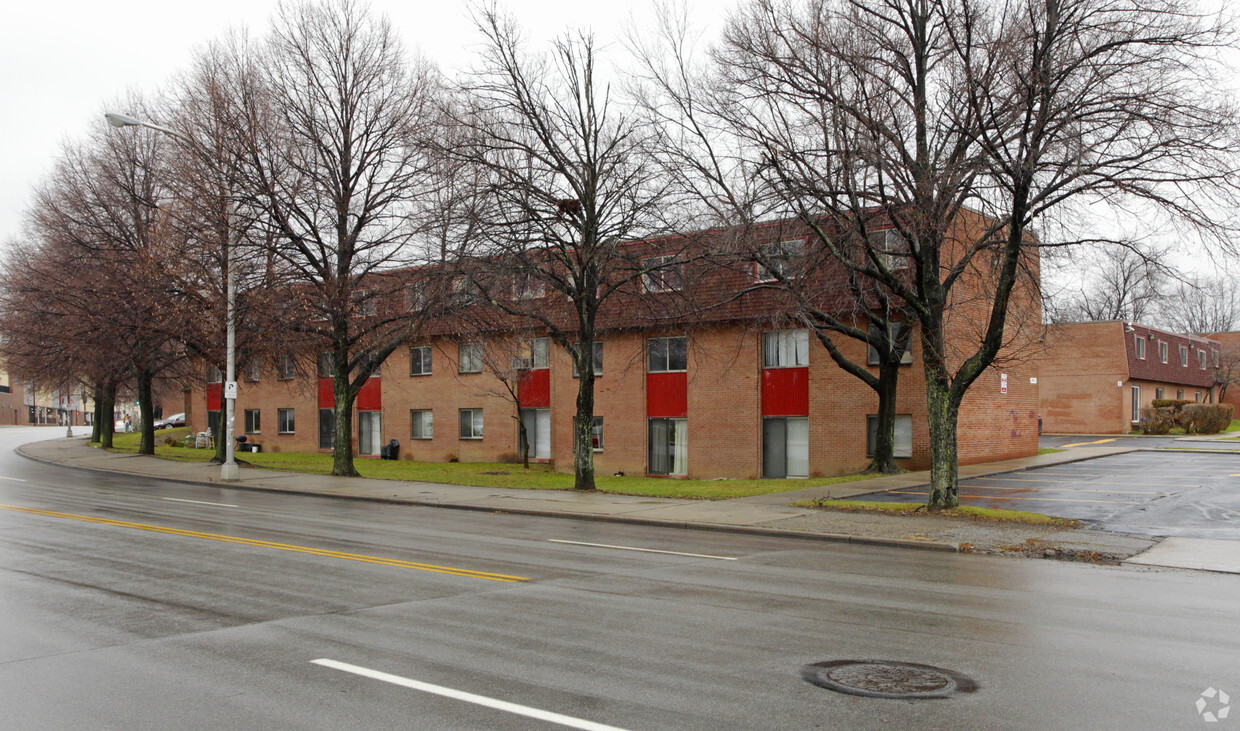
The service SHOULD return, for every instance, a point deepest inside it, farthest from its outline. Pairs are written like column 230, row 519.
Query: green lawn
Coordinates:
column 1049, row 450
column 487, row 474
column 963, row 511
column 1235, row 426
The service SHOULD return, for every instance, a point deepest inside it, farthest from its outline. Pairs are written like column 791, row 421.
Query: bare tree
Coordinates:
column 1202, row 305
column 563, row 177
column 961, row 123
column 1120, row 283
column 1227, row 369
column 333, row 156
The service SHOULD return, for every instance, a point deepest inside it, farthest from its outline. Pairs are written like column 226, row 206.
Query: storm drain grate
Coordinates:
column 887, row 679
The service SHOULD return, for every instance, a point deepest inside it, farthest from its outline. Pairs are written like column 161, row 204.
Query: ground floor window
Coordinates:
column 1136, row 403
column 327, row 428
column 251, row 421
column 903, row 437
column 285, row 423
column 538, row 430
column 1179, row 395
column 598, row 434
column 668, row 447
column 423, row 424
column 1158, row 394
column 369, row 432
column 213, row 421
column 785, row 447
column 471, row 423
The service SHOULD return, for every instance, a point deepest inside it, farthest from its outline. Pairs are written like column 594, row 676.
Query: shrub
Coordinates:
column 1176, row 404
column 1157, row 419
column 1205, row 418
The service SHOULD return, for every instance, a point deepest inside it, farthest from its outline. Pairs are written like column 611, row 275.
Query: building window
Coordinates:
column 324, row 365
column 286, row 422
column 1179, row 394
column 895, row 331
column 537, row 423
column 471, row 423
column 1201, row 359
column 327, row 428
column 420, row 361
column 1198, row 398
column 1136, row 404
column 663, row 273
column 466, row 292
column 469, row 358
column 285, row 367
column 598, row 361
column 785, row 447
column 252, row 368
column 1158, row 394
column 423, row 424
column 1140, row 341
column 1162, row 351
column 251, row 421
column 785, row 348
column 1183, row 356
column 214, row 375
column 365, row 303
column 778, row 261
column 527, row 287
column 536, row 354
column 667, row 354
column 668, row 447
column 415, row 296
column 598, row 434
column 903, row 435
column 889, row 248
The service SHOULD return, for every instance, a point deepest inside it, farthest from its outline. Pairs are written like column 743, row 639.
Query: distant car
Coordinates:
column 171, row 421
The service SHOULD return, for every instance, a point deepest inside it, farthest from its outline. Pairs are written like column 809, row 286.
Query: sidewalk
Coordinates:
column 764, row 514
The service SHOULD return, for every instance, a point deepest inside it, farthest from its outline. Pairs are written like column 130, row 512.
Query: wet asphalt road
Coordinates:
column 137, row 604
column 1185, row 494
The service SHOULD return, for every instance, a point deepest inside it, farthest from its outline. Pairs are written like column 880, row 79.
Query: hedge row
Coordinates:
column 1193, row 418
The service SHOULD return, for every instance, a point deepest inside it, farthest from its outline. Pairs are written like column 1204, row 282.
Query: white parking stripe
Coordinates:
column 643, row 550
column 461, row 695
column 200, row 502
column 14, row 479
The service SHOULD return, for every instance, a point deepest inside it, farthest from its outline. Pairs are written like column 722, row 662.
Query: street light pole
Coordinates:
column 229, row 472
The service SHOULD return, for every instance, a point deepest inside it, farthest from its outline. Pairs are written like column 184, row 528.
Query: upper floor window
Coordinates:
column 214, row 375
column 1184, row 356
column 324, row 363
column 465, row 291
column 286, row 367
column 252, row 369
column 1201, row 359
column 663, row 273
column 415, row 296
column 895, row 331
column 1162, row 351
column 469, row 358
column 1140, row 342
column 420, row 361
column 890, row 248
column 778, row 260
column 528, row 286
column 367, row 303
column 598, row 361
column 667, row 354
column 785, row 348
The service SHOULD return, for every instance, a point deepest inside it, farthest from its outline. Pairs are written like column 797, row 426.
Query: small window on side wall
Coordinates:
column 422, row 424
column 285, row 417
column 1140, row 343
column 903, row 435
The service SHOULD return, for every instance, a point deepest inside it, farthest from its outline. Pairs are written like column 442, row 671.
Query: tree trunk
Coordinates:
column 942, row 413
column 342, row 440
column 583, row 422
column 883, row 460
column 524, row 439
column 97, row 428
column 146, row 414
column 108, row 427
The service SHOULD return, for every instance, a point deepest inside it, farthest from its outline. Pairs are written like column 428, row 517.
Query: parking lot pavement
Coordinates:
column 1148, row 493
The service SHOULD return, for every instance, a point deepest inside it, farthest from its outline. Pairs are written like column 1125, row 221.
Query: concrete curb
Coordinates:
column 924, row 545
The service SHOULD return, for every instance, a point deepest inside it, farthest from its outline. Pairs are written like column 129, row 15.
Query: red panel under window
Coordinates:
column 785, row 392
column 215, row 394
column 370, row 398
column 327, row 396
column 667, row 395
column 534, row 389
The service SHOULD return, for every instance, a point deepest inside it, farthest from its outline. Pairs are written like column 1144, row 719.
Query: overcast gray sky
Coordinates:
column 62, row 63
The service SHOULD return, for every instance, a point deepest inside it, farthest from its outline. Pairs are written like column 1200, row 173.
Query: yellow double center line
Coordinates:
column 268, row 544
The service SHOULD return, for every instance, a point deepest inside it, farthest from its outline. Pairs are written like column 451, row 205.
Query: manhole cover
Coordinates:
column 887, row 679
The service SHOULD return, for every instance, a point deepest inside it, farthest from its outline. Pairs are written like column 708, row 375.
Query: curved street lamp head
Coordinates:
column 121, row 120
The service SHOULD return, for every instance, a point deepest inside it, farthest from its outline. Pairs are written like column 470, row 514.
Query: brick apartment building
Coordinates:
column 1095, row 377
column 1229, row 360
column 735, row 392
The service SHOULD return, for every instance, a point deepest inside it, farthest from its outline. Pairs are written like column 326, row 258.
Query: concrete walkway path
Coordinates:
column 772, row 514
